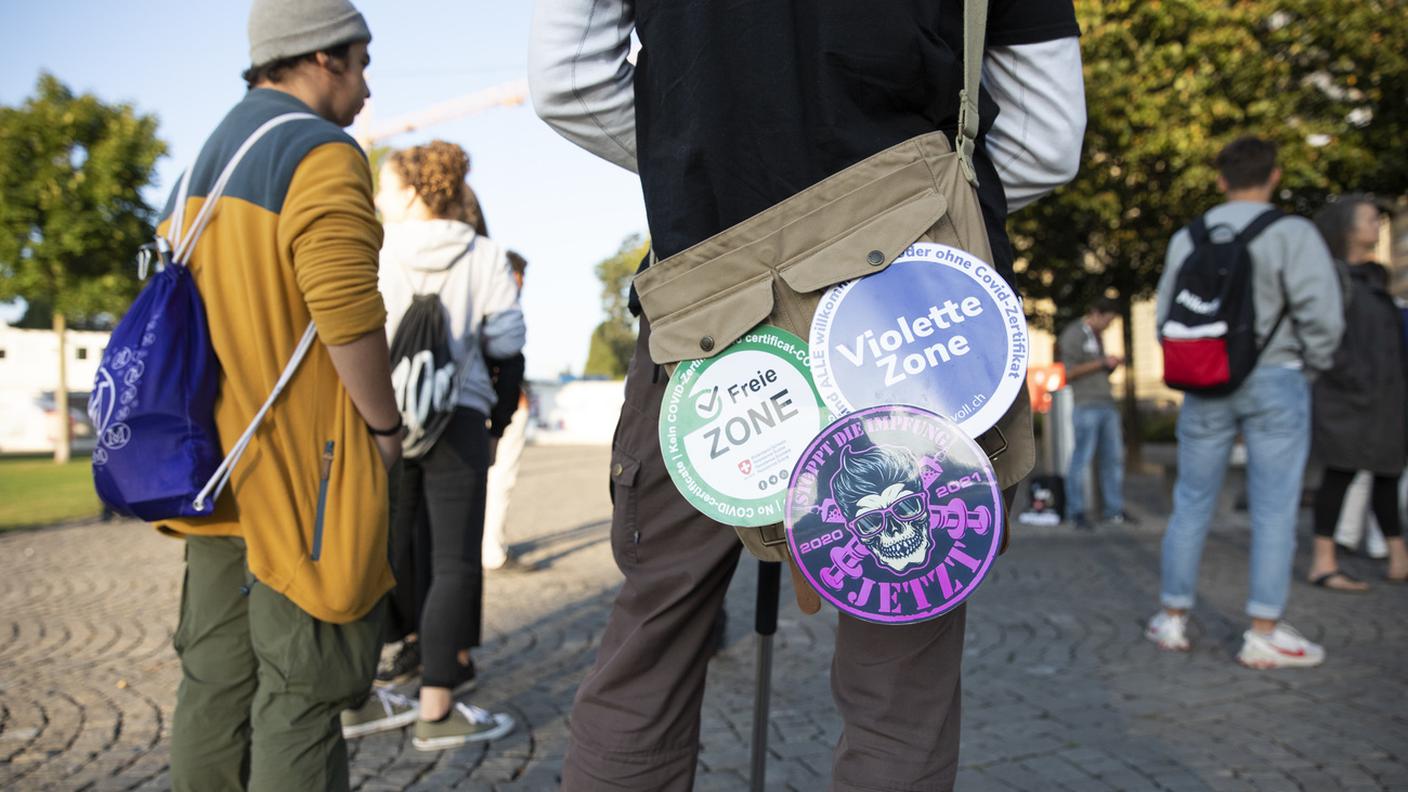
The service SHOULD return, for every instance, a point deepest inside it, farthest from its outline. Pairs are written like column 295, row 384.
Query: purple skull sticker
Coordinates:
column 894, row 514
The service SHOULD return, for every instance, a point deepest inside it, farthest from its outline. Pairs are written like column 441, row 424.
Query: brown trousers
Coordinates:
column 635, row 721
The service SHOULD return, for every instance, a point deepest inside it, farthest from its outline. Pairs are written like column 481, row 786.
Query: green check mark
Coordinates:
column 707, row 404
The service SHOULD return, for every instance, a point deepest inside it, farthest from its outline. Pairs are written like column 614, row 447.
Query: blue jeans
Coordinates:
column 1097, row 431
column 1271, row 410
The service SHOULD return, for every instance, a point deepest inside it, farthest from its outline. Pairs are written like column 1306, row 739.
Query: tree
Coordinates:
column 614, row 340
column 1167, row 85
column 71, row 211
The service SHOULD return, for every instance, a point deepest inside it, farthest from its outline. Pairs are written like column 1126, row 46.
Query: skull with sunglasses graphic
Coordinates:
column 883, row 499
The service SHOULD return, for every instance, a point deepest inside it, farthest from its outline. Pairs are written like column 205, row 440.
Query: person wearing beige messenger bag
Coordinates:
column 784, row 148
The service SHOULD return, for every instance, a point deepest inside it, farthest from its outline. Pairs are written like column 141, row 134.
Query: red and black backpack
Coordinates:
column 1209, row 335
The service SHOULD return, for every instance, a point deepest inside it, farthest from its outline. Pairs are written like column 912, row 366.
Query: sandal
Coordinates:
column 1323, row 581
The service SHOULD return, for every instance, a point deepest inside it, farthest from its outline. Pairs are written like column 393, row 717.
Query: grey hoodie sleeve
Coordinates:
column 504, row 332
column 1313, row 300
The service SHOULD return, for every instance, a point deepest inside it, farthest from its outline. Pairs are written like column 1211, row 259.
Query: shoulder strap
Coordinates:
column 184, row 245
column 1258, row 224
column 1198, row 231
column 975, row 28
column 212, row 489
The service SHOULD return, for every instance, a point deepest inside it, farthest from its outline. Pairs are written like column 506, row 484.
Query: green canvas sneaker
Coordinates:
column 385, row 710
column 465, row 724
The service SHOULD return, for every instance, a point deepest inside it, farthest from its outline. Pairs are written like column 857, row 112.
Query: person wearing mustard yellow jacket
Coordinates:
column 280, row 620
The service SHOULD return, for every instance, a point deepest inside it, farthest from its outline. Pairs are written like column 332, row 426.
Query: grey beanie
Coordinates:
column 285, row 28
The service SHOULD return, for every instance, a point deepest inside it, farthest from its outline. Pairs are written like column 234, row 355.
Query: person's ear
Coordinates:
column 1275, row 178
column 1222, row 183
column 332, row 64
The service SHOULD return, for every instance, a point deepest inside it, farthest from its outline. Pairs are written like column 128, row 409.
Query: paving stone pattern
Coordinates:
column 1061, row 692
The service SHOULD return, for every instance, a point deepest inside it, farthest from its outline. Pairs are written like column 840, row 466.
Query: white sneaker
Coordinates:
column 1168, row 631
column 1282, row 648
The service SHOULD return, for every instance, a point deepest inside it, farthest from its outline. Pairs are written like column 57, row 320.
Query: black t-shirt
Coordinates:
column 740, row 105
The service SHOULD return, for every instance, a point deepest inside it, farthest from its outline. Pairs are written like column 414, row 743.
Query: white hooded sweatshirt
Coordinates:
column 472, row 276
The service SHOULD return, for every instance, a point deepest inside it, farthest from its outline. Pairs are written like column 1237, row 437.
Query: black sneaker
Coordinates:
column 399, row 665
column 1082, row 524
column 465, row 682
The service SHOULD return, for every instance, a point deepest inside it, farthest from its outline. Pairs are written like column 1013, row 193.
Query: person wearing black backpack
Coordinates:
column 452, row 307
column 1249, row 311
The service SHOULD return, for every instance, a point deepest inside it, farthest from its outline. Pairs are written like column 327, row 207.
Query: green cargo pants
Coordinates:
column 262, row 682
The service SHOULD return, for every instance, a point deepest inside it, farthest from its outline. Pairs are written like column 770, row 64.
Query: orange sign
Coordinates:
column 1042, row 381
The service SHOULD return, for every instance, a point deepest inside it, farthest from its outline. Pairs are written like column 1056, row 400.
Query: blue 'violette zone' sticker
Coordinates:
column 938, row 328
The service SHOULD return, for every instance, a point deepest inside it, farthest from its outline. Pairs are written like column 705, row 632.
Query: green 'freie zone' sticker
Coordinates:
column 732, row 426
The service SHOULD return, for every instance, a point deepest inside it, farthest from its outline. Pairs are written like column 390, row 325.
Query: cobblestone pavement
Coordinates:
column 1061, row 692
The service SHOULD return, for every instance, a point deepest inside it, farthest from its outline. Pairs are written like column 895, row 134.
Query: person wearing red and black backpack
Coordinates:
column 1249, row 310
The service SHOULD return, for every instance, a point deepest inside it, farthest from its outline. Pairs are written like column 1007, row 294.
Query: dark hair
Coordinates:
column 1336, row 219
column 474, row 213
column 1105, row 305
column 870, row 472
column 516, row 262
column 1247, row 162
column 274, row 70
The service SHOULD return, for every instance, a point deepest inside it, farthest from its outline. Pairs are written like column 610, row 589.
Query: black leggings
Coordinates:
column 1329, row 500
column 437, row 529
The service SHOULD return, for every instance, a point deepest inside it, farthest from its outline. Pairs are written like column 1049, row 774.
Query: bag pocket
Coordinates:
column 1196, row 362
column 625, row 497
column 773, row 267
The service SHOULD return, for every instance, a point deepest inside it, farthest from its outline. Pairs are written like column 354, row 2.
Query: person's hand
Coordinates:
column 389, row 446
column 1113, row 361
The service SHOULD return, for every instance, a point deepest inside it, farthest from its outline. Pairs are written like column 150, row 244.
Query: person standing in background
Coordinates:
column 430, row 250
column 1096, row 419
column 508, row 431
column 1361, row 402
column 1298, row 322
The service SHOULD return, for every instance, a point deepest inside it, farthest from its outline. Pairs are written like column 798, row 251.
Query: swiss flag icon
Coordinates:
column 745, row 467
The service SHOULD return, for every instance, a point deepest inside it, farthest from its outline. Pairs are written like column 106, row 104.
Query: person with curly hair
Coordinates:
column 433, row 248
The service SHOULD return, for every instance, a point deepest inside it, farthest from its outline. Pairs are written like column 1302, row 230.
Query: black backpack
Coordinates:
column 424, row 374
column 1209, row 336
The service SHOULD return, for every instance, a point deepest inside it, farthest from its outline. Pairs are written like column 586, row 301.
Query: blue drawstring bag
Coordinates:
column 152, row 404
column 153, row 401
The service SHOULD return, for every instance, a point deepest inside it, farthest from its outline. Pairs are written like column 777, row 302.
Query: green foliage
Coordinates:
column 1169, row 83
column 71, row 212
column 614, row 340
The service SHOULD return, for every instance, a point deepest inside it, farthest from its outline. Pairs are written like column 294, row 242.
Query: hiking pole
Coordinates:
column 766, row 624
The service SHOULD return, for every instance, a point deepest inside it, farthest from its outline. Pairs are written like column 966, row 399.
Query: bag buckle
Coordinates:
column 160, row 250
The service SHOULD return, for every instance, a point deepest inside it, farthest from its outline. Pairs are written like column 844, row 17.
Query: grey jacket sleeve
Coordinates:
column 1313, row 301
column 580, row 75
column 1178, row 249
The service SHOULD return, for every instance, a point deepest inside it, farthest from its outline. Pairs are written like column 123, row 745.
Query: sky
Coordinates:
column 559, row 206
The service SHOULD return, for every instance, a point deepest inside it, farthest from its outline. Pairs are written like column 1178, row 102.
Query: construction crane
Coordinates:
column 369, row 131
